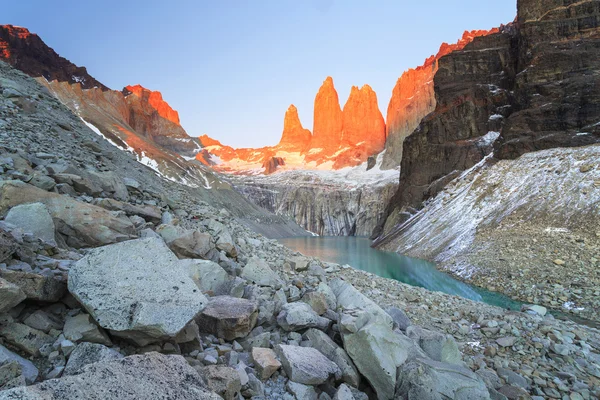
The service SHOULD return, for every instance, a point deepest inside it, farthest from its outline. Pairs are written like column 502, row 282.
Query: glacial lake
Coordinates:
column 358, row 253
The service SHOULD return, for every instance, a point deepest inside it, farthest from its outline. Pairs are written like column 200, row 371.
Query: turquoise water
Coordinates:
column 358, row 253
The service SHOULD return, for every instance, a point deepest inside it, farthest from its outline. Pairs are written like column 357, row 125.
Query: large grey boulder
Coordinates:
column 322, row 342
column 207, row 275
column 82, row 224
column 148, row 376
column 223, row 238
column 89, row 353
column 10, row 295
column 349, row 298
column 137, row 289
column 436, row 345
column 369, row 339
column 33, row 218
column 28, row 370
column 149, row 213
column 306, row 365
column 424, row 379
column 228, row 317
column 298, row 316
column 258, row 272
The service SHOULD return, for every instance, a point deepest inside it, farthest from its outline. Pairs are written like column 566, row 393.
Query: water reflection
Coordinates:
column 358, row 253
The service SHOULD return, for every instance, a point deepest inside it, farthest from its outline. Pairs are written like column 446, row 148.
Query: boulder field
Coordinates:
column 112, row 289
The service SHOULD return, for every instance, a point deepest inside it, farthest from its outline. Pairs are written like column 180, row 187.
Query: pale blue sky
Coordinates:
column 231, row 68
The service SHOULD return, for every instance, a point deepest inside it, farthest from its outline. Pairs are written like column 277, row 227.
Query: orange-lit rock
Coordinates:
column 363, row 123
column 154, row 99
column 413, row 98
column 294, row 136
column 328, row 119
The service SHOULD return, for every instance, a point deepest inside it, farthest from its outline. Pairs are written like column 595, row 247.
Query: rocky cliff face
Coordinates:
column 322, row 203
column 413, row 98
column 327, row 121
column 531, row 86
column 26, row 51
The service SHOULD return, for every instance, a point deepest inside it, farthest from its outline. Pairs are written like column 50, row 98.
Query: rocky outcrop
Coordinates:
column 271, row 163
column 26, row 51
column 510, row 91
column 294, row 136
column 328, row 120
column 556, row 88
column 413, row 98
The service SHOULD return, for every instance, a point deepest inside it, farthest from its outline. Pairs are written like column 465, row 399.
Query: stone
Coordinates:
column 81, row 328
column 33, row 218
column 43, row 182
column 436, row 345
column 186, row 243
column 346, row 392
column 265, row 362
column 82, row 224
column 137, row 289
column 25, row 338
column 225, row 381
column 207, row 275
column 8, row 372
column 298, row 316
column 426, row 379
column 232, row 287
column 228, row 317
column 10, row 295
column 322, row 342
column 37, row 287
column 515, row 393
column 512, row 378
column 300, row 391
column 258, row 272
column 28, row 370
column 401, row 320
column 506, row 341
column 43, row 321
column 330, row 298
column 88, row 353
column 535, row 309
column 348, row 297
column 148, row 376
column 306, row 365
column 316, row 300
column 299, row 263
column 147, row 212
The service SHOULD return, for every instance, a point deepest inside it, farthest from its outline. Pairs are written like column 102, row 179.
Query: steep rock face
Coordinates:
column 362, row 121
column 557, row 90
column 534, row 85
column 328, row 120
column 151, row 116
column 271, row 163
column 326, row 209
column 294, row 136
column 413, row 98
column 26, row 51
